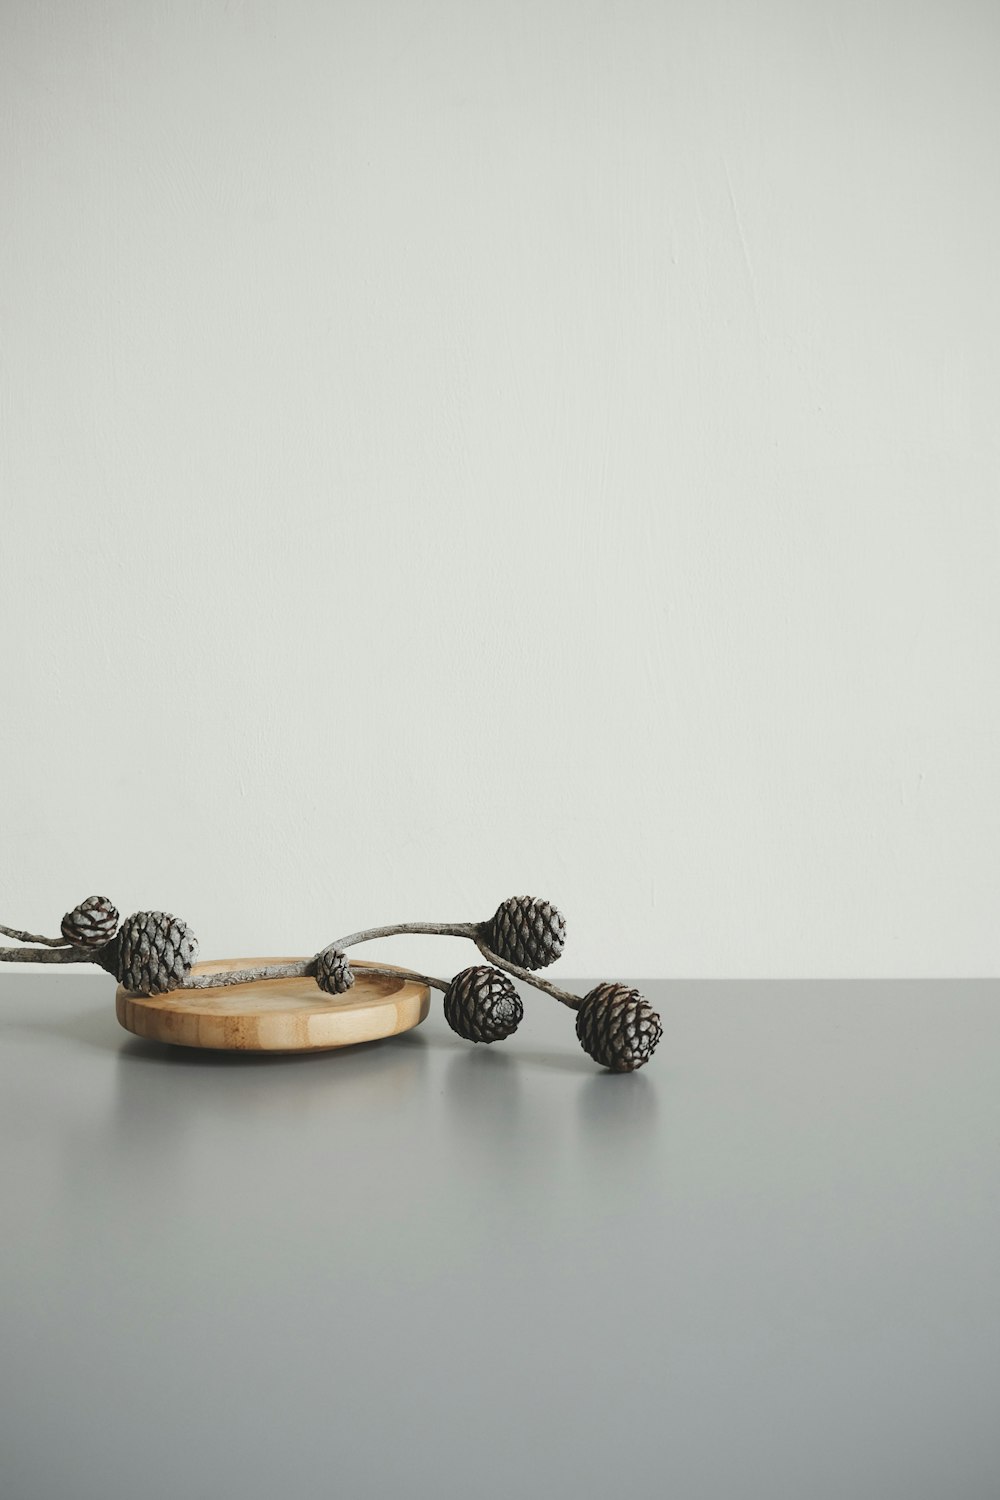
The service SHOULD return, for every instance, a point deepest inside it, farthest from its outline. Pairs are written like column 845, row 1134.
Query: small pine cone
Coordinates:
column 526, row 931
column 482, row 1005
column 91, row 924
column 618, row 1027
column 152, row 954
column 334, row 974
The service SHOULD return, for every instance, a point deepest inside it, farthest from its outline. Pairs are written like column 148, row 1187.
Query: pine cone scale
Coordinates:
column 618, row 1027
column 526, row 931
column 334, row 974
column 152, row 954
column 91, row 924
column 482, row 1005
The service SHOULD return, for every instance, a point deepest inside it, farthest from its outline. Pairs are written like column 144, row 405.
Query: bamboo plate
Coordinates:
column 277, row 1015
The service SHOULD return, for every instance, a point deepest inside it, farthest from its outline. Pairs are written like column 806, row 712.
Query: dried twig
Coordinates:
column 34, row 937
column 47, row 956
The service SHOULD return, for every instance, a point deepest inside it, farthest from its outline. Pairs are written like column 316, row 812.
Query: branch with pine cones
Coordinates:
column 154, row 952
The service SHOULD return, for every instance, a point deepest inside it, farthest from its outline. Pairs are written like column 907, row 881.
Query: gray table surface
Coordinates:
column 766, row 1265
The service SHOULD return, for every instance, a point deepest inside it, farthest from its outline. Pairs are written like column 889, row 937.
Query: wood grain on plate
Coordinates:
column 276, row 1015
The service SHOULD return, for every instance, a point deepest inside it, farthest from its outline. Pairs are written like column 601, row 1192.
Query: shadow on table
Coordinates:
column 94, row 1028
column 567, row 1059
column 618, row 1106
column 100, row 1029
column 171, row 1110
column 485, row 1089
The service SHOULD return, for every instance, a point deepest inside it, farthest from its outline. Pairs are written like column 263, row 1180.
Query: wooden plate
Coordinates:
column 277, row 1015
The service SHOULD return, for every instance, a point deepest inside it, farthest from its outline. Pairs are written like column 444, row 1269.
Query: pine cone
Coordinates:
column 618, row 1027
column 334, row 974
column 525, row 931
column 91, row 924
column 482, row 1005
column 152, row 954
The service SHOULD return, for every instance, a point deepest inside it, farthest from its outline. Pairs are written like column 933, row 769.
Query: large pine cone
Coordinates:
column 91, row 924
column 525, row 931
column 482, row 1005
column 618, row 1027
column 152, row 954
column 334, row 974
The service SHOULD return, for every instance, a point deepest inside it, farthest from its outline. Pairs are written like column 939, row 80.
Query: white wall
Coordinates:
column 452, row 450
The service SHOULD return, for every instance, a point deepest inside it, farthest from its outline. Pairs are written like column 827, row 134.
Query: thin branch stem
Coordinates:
column 297, row 970
column 57, row 951
column 34, row 937
column 227, row 977
column 440, row 929
column 428, row 979
column 527, row 977
column 306, row 966
column 472, row 930
column 49, row 955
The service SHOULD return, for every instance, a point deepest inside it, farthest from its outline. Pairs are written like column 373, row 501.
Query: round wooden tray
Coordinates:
column 277, row 1015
